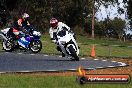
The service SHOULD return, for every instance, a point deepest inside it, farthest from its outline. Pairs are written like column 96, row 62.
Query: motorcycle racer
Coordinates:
column 57, row 26
column 22, row 24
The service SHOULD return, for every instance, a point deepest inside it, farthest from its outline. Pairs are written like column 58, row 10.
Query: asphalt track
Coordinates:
column 24, row 62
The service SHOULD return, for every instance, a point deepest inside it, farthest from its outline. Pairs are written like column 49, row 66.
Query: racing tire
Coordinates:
column 73, row 53
column 35, row 48
column 7, row 46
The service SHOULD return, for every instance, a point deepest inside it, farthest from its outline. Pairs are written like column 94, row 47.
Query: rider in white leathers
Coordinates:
column 56, row 27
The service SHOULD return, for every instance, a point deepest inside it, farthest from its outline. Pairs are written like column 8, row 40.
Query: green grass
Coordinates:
column 102, row 41
column 103, row 47
column 33, row 81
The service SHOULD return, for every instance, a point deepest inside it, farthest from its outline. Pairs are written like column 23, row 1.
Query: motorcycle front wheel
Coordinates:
column 73, row 53
column 7, row 45
column 36, row 46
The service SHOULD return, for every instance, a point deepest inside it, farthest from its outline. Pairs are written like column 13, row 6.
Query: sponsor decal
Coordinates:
column 101, row 78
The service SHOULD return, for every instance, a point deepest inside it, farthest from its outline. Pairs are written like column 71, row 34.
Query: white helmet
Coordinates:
column 25, row 15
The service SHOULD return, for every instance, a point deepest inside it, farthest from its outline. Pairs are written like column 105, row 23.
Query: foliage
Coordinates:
column 110, row 28
column 129, row 11
column 75, row 13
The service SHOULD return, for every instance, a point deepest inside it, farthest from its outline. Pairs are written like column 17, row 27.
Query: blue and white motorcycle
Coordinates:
column 28, row 42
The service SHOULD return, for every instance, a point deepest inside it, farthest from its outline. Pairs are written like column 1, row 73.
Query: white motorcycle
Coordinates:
column 68, row 45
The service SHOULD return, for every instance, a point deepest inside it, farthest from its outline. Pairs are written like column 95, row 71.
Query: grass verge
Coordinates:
column 32, row 81
column 103, row 47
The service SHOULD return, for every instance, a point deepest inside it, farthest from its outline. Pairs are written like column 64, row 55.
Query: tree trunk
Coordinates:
column 93, row 19
column 120, row 36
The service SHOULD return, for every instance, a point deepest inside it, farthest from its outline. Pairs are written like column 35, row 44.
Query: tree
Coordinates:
column 72, row 12
column 129, row 11
column 118, row 25
column 100, row 28
column 94, row 7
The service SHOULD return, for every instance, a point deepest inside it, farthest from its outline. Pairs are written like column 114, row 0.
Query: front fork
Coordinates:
column 63, row 49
